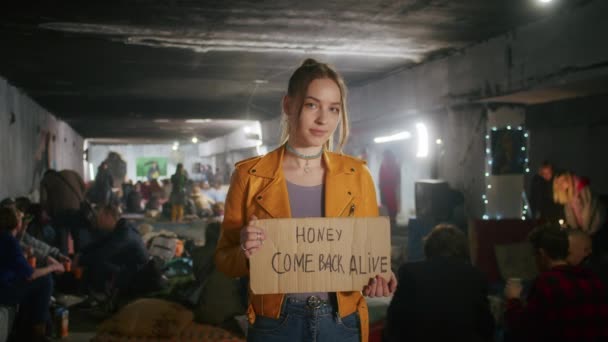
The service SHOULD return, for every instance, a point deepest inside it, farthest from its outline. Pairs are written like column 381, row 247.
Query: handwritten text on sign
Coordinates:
column 320, row 254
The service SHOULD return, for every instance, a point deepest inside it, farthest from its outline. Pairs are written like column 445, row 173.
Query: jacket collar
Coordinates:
column 274, row 197
column 270, row 165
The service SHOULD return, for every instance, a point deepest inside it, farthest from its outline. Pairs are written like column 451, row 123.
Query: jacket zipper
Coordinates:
column 352, row 210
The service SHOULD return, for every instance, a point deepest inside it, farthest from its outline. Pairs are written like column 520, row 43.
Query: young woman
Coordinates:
column 20, row 283
column 583, row 209
column 302, row 178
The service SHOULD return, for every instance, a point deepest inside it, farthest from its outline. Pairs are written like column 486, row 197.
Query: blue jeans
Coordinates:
column 298, row 322
column 33, row 298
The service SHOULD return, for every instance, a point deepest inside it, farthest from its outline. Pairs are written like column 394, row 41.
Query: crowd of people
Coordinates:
column 34, row 255
column 174, row 197
column 75, row 235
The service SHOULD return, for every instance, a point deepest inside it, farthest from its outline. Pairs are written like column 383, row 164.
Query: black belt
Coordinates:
column 312, row 302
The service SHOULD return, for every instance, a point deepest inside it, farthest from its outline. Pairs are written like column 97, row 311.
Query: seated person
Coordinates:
column 217, row 193
column 40, row 249
column 565, row 303
column 40, row 226
column 22, row 285
column 110, row 262
column 202, row 202
column 443, row 298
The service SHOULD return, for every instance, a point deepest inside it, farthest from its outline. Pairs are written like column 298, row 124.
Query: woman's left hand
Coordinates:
column 379, row 287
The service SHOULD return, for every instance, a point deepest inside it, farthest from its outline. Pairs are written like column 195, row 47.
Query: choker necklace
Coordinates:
column 303, row 156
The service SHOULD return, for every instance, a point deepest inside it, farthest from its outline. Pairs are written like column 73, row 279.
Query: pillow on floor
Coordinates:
column 148, row 318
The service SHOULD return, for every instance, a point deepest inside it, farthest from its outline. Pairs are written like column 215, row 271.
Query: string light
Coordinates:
column 524, row 148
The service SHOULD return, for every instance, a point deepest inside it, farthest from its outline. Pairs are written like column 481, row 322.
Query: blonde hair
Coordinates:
column 309, row 71
column 561, row 195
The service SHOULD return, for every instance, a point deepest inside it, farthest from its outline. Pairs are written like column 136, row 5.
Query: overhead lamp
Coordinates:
column 439, row 141
column 423, row 140
column 198, row 120
column 194, row 140
column 545, row 1
column 395, row 137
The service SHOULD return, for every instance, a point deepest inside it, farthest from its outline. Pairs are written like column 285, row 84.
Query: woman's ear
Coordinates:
column 287, row 103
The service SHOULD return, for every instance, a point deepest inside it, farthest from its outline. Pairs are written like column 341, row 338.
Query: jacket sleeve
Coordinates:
column 370, row 200
column 400, row 310
column 593, row 211
column 229, row 258
column 485, row 322
column 41, row 249
column 104, row 249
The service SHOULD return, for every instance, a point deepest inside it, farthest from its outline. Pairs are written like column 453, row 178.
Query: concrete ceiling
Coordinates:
column 111, row 68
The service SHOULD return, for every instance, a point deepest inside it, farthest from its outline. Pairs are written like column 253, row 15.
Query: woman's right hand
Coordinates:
column 252, row 238
column 56, row 266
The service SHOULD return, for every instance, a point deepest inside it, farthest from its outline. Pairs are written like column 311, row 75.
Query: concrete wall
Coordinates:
column 560, row 49
column 461, row 157
column 24, row 126
column 573, row 135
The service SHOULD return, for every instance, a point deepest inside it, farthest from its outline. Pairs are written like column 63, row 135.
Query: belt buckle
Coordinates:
column 313, row 302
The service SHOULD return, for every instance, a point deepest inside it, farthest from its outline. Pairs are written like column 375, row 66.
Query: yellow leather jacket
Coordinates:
column 258, row 188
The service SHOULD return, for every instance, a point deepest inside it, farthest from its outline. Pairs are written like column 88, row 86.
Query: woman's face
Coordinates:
column 319, row 116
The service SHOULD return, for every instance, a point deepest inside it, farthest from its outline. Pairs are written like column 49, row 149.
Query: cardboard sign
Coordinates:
column 320, row 254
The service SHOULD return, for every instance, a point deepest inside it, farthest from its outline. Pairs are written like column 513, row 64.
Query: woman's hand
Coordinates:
column 55, row 265
column 379, row 287
column 252, row 238
column 64, row 259
column 513, row 289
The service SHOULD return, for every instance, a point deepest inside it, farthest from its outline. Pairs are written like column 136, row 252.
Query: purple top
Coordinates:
column 306, row 201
